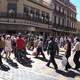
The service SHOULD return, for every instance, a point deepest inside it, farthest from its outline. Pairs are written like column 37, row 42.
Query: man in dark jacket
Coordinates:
column 52, row 51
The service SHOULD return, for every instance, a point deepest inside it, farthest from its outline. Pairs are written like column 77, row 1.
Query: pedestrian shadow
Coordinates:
column 42, row 59
column 70, row 73
column 26, row 63
column 4, row 67
column 11, row 63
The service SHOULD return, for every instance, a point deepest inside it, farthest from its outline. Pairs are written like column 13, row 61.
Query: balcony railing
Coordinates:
column 22, row 19
column 63, row 27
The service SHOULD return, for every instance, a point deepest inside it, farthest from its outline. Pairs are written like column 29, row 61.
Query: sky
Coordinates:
column 77, row 4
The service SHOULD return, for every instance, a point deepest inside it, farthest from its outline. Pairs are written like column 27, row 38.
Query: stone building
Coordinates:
column 37, row 16
column 64, row 16
column 78, row 27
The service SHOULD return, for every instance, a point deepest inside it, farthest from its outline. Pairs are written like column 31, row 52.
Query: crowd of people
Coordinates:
column 18, row 44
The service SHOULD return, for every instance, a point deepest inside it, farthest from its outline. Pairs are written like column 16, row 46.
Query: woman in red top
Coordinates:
column 20, row 43
column 20, row 47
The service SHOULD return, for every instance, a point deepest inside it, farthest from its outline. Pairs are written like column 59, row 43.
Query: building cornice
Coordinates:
column 41, row 4
column 13, row 0
column 62, row 3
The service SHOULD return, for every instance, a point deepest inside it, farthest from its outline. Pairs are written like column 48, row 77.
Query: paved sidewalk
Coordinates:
column 39, row 71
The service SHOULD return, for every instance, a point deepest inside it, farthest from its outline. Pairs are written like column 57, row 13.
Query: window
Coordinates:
column 59, row 20
column 43, row 14
column 71, row 24
column 47, row 17
column 63, row 22
column 65, row 11
column 26, row 9
column 57, row 8
column 26, row 12
column 32, row 12
column 12, row 8
column 61, row 10
column 55, row 19
column 37, row 12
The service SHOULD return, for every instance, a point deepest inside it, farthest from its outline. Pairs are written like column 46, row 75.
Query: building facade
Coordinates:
column 78, row 27
column 25, row 15
column 37, row 16
column 64, row 16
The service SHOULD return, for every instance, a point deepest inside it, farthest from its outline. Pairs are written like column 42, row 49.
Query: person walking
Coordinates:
column 67, row 47
column 1, row 48
column 13, row 39
column 20, row 45
column 20, row 49
column 61, row 42
column 40, row 48
column 8, row 46
column 52, row 51
column 77, row 55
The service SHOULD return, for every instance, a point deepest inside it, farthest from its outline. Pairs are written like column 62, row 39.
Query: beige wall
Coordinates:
column 3, row 6
column 78, row 26
column 0, row 6
column 21, row 3
column 20, row 6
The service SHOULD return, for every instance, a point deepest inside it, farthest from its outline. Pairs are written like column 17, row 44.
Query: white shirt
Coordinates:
column 77, row 46
column 61, row 39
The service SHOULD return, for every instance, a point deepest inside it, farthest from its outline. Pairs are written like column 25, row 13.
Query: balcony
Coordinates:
column 63, row 28
column 21, row 19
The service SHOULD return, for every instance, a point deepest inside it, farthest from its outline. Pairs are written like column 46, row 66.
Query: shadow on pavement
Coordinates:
column 41, row 58
column 11, row 63
column 4, row 67
column 25, row 62
column 71, row 74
